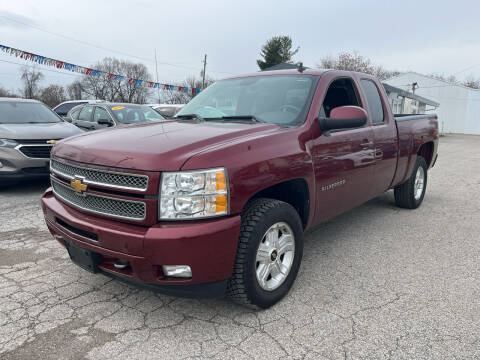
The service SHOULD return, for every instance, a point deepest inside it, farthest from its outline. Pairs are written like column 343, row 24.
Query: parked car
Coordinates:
column 100, row 116
column 63, row 108
column 28, row 130
column 73, row 113
column 217, row 199
column 167, row 110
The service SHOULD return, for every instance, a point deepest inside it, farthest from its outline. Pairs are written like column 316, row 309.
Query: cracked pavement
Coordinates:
column 378, row 282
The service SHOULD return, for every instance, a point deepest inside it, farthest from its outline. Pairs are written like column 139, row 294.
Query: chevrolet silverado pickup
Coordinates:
column 216, row 200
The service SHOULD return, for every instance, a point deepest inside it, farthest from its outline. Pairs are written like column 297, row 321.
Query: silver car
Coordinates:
column 28, row 130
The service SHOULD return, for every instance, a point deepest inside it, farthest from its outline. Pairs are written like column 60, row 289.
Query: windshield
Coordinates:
column 131, row 114
column 18, row 112
column 282, row 99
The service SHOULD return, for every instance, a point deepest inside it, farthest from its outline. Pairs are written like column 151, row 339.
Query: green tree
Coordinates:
column 275, row 51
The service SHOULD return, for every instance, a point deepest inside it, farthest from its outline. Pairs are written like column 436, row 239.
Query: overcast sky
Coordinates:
column 423, row 36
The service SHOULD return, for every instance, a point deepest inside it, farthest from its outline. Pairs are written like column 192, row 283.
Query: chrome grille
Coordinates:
column 114, row 207
column 101, row 177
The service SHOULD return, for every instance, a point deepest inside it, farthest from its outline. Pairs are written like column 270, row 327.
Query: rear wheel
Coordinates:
column 269, row 253
column 410, row 194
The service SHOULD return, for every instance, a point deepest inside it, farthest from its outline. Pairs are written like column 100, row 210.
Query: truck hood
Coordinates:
column 163, row 146
column 47, row 131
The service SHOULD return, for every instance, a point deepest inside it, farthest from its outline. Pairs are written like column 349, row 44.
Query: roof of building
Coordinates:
column 407, row 94
column 432, row 78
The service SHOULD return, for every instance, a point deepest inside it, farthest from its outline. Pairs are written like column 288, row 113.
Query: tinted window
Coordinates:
column 374, row 101
column 65, row 108
column 17, row 112
column 100, row 113
column 279, row 99
column 86, row 114
column 75, row 112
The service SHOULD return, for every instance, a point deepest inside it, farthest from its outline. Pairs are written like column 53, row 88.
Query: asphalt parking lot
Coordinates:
column 376, row 282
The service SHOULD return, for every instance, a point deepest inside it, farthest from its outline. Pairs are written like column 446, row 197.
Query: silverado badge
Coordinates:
column 78, row 185
column 51, row 141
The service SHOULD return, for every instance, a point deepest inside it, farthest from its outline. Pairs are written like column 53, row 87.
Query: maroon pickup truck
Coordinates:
column 217, row 199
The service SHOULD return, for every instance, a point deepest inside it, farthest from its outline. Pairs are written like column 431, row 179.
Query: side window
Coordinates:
column 100, row 113
column 341, row 92
column 74, row 113
column 374, row 101
column 86, row 114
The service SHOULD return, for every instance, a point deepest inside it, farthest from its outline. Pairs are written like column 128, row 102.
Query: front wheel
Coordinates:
column 410, row 194
column 269, row 253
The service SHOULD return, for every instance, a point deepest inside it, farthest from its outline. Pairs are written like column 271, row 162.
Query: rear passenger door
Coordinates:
column 85, row 118
column 384, row 133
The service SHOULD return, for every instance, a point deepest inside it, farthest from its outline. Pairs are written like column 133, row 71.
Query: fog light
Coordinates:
column 183, row 271
column 1, row 165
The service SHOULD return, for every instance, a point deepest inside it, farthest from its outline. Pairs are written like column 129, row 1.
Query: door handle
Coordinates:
column 366, row 144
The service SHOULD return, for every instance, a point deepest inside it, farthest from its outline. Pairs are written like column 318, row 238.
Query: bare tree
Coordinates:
column 472, row 82
column 112, row 89
column 355, row 62
column 176, row 97
column 5, row 93
column 53, row 95
column 75, row 91
column 31, row 79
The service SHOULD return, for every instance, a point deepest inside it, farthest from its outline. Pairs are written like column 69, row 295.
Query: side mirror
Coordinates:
column 106, row 122
column 344, row 117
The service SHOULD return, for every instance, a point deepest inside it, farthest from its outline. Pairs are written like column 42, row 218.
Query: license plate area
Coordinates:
column 84, row 258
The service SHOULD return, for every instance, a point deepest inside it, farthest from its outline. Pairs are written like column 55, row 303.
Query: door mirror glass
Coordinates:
column 344, row 117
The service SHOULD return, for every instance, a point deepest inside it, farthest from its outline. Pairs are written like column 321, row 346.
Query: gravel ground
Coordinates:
column 376, row 282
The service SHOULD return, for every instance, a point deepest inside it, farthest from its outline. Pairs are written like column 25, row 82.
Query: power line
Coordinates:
column 102, row 47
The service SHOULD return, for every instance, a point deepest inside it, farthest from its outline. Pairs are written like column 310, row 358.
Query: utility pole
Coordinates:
column 156, row 70
column 414, row 87
column 204, row 69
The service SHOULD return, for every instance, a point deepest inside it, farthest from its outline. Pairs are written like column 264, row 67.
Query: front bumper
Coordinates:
column 208, row 247
column 15, row 165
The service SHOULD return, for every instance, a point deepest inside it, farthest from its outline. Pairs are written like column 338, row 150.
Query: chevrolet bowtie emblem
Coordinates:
column 78, row 185
column 51, row 141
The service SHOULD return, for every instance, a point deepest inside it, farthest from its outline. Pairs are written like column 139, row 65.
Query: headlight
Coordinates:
column 8, row 143
column 193, row 194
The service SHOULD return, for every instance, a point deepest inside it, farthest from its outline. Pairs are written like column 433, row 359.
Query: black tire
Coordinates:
column 405, row 193
column 257, row 218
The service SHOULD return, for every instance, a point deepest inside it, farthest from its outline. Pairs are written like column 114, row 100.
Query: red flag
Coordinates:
column 180, row 88
column 111, row 76
column 88, row 71
column 132, row 81
column 150, row 84
column 166, row 87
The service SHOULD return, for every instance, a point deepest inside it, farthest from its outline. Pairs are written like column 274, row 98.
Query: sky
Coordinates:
column 424, row 36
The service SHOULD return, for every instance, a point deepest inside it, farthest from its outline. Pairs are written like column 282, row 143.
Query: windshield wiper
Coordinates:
column 243, row 117
column 190, row 116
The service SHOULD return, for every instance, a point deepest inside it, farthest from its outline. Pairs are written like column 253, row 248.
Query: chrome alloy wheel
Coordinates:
column 419, row 183
column 275, row 256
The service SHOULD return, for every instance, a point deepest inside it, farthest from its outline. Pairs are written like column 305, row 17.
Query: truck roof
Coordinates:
column 314, row 72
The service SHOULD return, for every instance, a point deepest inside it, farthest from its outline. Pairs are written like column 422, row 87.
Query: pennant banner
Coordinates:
column 42, row 60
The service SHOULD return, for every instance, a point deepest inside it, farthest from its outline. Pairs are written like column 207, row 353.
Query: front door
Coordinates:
column 343, row 160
